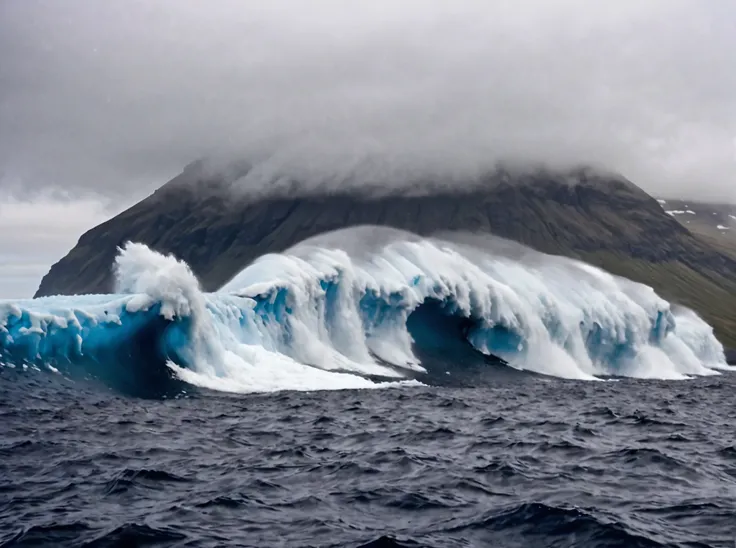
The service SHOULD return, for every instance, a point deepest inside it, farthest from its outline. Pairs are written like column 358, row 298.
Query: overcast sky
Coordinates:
column 102, row 101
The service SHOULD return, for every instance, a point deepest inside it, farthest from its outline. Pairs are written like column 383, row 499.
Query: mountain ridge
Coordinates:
column 602, row 219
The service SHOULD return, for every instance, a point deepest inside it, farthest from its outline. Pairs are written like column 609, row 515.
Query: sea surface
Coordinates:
column 509, row 459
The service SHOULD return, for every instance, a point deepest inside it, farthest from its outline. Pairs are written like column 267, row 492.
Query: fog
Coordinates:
column 118, row 96
column 111, row 99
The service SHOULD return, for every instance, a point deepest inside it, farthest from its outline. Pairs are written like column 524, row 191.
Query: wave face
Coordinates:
column 359, row 308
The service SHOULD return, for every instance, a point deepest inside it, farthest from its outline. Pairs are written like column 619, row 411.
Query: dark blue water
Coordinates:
column 520, row 460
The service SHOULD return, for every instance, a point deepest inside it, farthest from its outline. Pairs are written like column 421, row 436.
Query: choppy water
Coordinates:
column 520, row 461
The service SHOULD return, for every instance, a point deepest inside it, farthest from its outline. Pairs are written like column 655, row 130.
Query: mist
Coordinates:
column 103, row 102
column 117, row 97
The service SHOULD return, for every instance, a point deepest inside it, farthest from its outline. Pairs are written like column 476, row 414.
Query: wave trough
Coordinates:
column 359, row 308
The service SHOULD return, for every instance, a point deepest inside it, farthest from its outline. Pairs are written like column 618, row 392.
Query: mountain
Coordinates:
column 714, row 222
column 601, row 218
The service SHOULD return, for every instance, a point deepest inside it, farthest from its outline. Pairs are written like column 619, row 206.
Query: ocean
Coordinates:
column 519, row 460
column 366, row 388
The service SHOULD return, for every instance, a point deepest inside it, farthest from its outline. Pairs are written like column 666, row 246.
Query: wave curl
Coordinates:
column 360, row 308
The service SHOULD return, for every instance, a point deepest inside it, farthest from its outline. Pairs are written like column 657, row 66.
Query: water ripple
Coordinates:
column 524, row 462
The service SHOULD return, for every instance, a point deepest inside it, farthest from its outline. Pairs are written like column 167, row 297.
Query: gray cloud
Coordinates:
column 38, row 232
column 116, row 97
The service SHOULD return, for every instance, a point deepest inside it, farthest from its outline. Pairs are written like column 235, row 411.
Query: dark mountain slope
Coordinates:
column 604, row 220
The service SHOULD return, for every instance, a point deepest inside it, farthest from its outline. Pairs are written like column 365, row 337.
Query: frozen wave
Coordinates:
column 334, row 312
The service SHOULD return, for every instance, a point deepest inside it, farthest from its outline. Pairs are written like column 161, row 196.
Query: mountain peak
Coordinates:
column 204, row 217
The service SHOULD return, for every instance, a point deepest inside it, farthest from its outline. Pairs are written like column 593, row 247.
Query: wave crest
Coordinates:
column 359, row 307
column 157, row 278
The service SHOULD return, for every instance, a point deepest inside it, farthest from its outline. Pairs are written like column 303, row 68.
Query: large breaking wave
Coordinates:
column 359, row 308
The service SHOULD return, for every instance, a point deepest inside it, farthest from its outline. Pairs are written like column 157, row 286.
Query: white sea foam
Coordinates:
column 332, row 313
